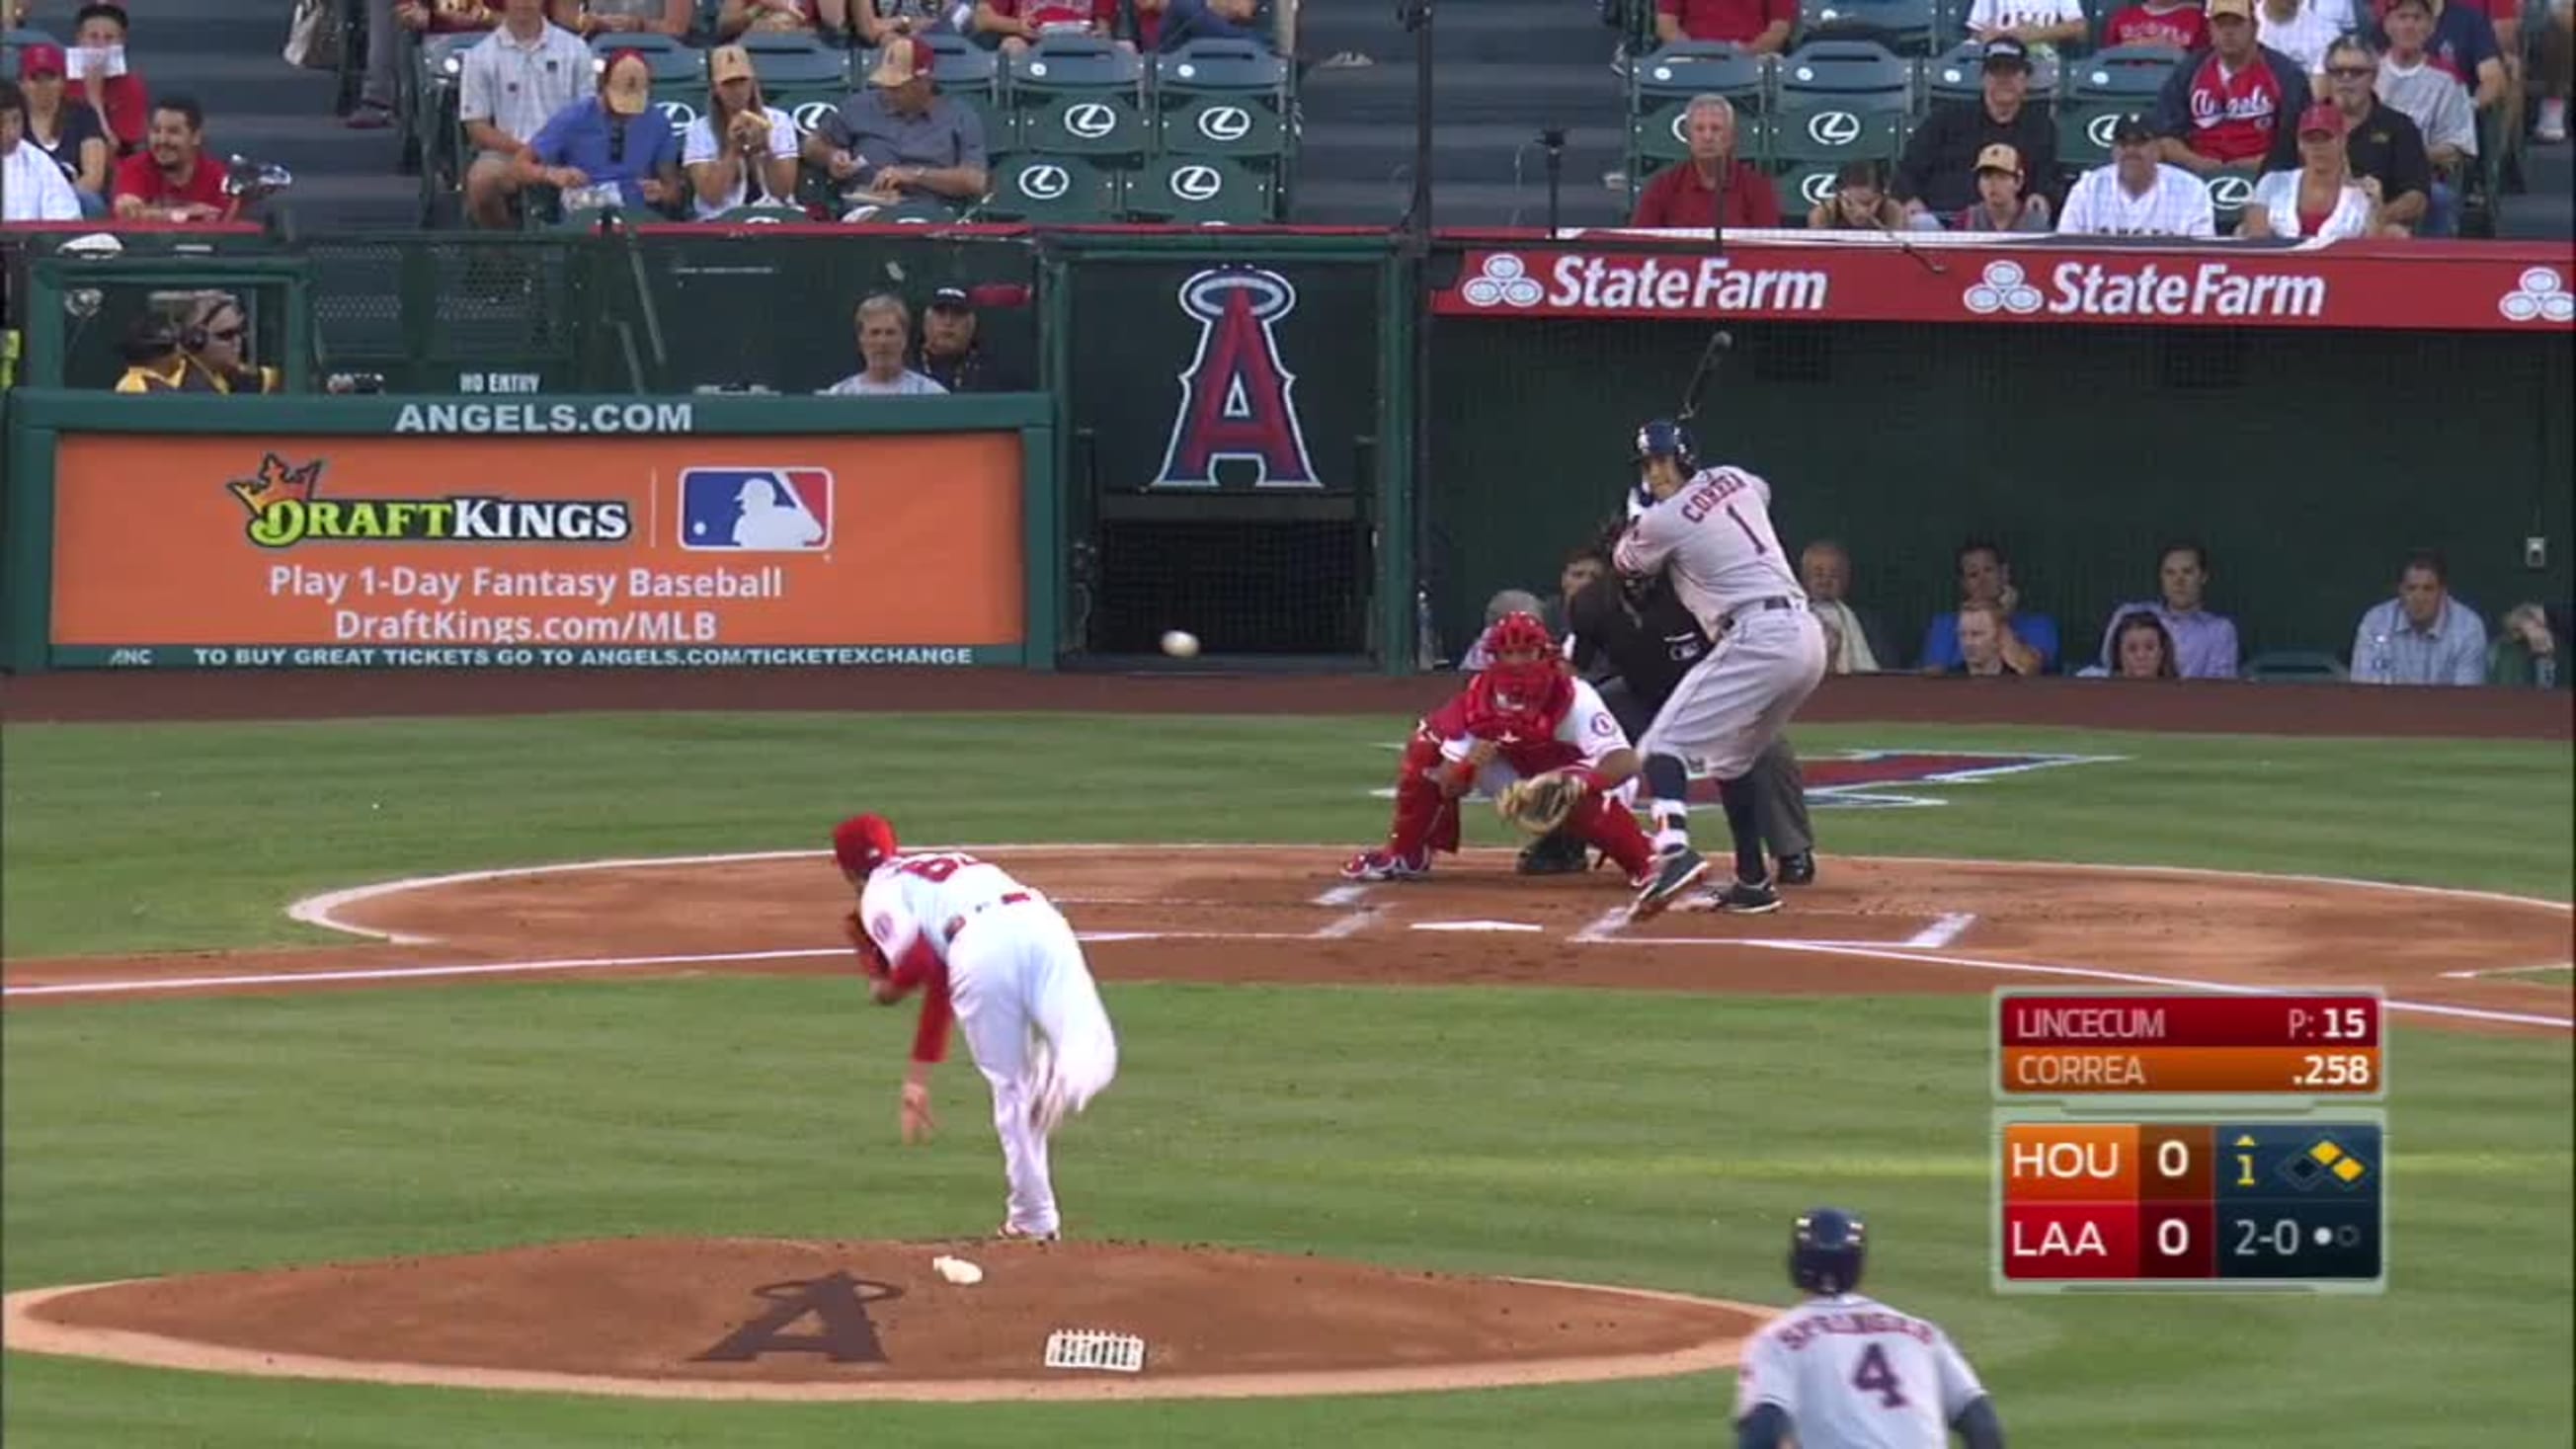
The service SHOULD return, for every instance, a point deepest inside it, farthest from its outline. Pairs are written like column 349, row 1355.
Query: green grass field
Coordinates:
column 1625, row 1138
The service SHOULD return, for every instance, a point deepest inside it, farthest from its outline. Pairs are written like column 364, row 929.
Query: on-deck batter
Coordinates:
column 1000, row 959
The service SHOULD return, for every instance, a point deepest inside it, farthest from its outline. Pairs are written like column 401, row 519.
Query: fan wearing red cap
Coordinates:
column 64, row 129
column 995, row 957
column 2321, row 200
column 897, row 138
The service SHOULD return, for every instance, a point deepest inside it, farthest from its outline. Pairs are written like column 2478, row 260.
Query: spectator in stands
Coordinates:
column 1860, row 202
column 2423, row 636
column 2381, row 141
column 1760, row 26
column 1855, row 641
column 587, row 18
column 885, row 334
column 2232, row 105
column 2139, row 649
column 1713, row 185
column 2410, row 82
column 783, row 17
column 1937, row 176
column 614, row 138
column 899, row 138
column 742, row 152
column 153, row 359
column 171, row 179
column 514, row 81
column 2202, row 644
column 1015, row 25
column 109, row 84
column 2029, row 641
column 71, row 137
column 32, row 187
column 2040, row 25
column 1143, row 23
column 879, row 21
column 2166, row 24
column 376, row 93
column 2137, row 194
column 950, row 356
column 2321, row 200
column 1584, row 567
column 1986, row 647
column 2000, row 204
column 2460, row 41
column 214, row 341
column 2557, row 71
column 2525, row 653
column 2301, row 30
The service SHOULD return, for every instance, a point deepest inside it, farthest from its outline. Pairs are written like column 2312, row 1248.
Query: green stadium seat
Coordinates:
column 2294, row 666
column 2093, row 93
column 1660, row 87
column 1958, row 74
column 1839, row 101
column 1101, row 126
column 790, row 62
column 1904, row 26
column 1223, row 98
column 1052, row 189
column 1078, row 96
column 1842, row 68
column 671, row 62
column 436, row 76
column 1203, row 191
column 13, row 41
column 2229, row 190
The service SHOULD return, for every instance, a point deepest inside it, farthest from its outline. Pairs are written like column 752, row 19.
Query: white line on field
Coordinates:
column 1343, row 895
column 1603, row 926
column 2506, row 970
column 1941, row 932
column 1350, row 925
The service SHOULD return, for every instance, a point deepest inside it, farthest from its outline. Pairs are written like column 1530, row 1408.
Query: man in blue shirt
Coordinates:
column 1985, row 577
column 2423, row 636
column 614, row 139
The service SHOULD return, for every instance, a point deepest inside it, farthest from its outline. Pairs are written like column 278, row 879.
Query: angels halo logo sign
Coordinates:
column 1238, row 398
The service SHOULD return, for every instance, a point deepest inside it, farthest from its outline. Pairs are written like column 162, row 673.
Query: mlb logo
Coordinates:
column 756, row 510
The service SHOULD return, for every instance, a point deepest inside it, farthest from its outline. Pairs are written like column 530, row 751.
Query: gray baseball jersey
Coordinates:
column 1853, row 1373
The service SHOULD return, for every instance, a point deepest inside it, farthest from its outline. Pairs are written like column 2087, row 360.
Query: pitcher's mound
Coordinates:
column 764, row 1318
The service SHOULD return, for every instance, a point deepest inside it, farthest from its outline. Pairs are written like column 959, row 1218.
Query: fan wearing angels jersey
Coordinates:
column 1841, row 1371
column 1710, row 534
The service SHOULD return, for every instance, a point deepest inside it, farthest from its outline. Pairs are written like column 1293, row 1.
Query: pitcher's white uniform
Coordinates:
column 1001, row 957
column 1769, row 652
column 1853, row 1373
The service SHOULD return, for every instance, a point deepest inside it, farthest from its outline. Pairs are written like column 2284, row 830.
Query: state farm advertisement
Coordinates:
column 2484, row 287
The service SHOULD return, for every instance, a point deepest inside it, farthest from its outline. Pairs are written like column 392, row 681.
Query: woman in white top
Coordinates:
column 32, row 187
column 2320, row 200
column 742, row 152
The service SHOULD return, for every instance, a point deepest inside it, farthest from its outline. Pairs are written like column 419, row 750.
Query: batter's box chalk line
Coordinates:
column 1095, row 1348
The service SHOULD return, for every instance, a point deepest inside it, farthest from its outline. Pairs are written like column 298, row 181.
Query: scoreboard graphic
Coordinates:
column 2185, row 1142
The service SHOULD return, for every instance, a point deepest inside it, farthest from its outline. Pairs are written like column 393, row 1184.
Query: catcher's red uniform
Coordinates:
column 1539, row 721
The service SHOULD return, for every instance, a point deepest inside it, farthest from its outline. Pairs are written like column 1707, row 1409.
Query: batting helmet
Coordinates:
column 1825, row 1251
column 1664, row 438
column 862, row 842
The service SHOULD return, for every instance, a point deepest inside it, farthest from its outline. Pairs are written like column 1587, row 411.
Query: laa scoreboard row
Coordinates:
column 2161, row 1141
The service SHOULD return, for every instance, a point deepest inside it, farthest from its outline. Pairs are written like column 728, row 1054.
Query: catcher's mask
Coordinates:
column 1524, row 659
column 862, row 842
column 1825, row 1251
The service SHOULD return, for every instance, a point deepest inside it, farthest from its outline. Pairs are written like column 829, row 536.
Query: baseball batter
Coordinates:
column 1711, row 531
column 1841, row 1371
column 999, row 959
column 1524, row 715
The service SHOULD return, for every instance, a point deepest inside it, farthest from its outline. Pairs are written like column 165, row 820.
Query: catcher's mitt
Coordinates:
column 1538, row 805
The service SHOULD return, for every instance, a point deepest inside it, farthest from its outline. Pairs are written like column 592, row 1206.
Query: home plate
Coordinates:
column 1474, row 926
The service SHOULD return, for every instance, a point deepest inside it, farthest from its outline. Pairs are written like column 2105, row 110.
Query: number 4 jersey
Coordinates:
column 1853, row 1373
column 1716, row 533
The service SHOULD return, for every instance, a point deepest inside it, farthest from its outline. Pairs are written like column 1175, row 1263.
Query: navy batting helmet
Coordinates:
column 1825, row 1251
column 1664, row 438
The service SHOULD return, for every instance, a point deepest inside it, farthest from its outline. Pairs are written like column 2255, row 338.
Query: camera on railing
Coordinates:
column 255, row 181
column 354, row 383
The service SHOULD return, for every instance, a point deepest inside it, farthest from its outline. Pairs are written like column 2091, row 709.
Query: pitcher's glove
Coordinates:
column 1538, row 805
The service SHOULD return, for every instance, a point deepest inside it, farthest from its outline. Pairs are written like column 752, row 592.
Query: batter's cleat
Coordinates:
column 1554, row 855
column 1795, row 870
column 1742, row 898
column 1382, row 865
column 1674, row 873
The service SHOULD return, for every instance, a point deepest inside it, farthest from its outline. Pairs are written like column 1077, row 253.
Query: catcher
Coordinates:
column 1533, row 736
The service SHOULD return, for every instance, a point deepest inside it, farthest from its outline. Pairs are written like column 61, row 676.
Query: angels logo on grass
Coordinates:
column 1866, row 779
column 1238, row 401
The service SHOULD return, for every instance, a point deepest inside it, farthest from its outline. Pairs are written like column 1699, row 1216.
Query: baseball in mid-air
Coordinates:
column 1181, row 644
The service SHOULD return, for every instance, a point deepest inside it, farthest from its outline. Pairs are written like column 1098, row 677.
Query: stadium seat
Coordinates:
column 1839, row 101
column 1950, row 22
column 2093, row 93
column 1203, row 191
column 436, row 76
column 1957, row 74
column 1052, row 189
column 767, row 214
column 2229, row 190
column 1227, row 98
column 2295, row 666
column 1660, row 87
column 13, row 41
column 1078, row 95
column 1903, row 26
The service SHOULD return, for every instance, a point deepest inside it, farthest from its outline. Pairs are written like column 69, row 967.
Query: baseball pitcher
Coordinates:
column 1842, row 1371
column 1533, row 736
column 998, row 959
column 1649, row 641
column 1711, row 530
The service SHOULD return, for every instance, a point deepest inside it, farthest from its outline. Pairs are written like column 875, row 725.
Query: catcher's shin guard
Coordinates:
column 1425, row 818
column 1608, row 825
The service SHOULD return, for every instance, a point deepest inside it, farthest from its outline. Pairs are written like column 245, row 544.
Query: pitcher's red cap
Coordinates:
column 862, row 841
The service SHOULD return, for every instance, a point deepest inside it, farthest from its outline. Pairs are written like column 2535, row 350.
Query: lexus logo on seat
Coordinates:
column 2098, row 130
column 1225, row 124
column 682, row 114
column 1045, row 182
column 1833, row 128
column 1197, row 183
column 1090, row 121
column 810, row 116
column 2230, row 192
column 1817, row 188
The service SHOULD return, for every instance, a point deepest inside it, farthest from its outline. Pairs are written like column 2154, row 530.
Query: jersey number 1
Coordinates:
column 1758, row 549
column 1874, row 1376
